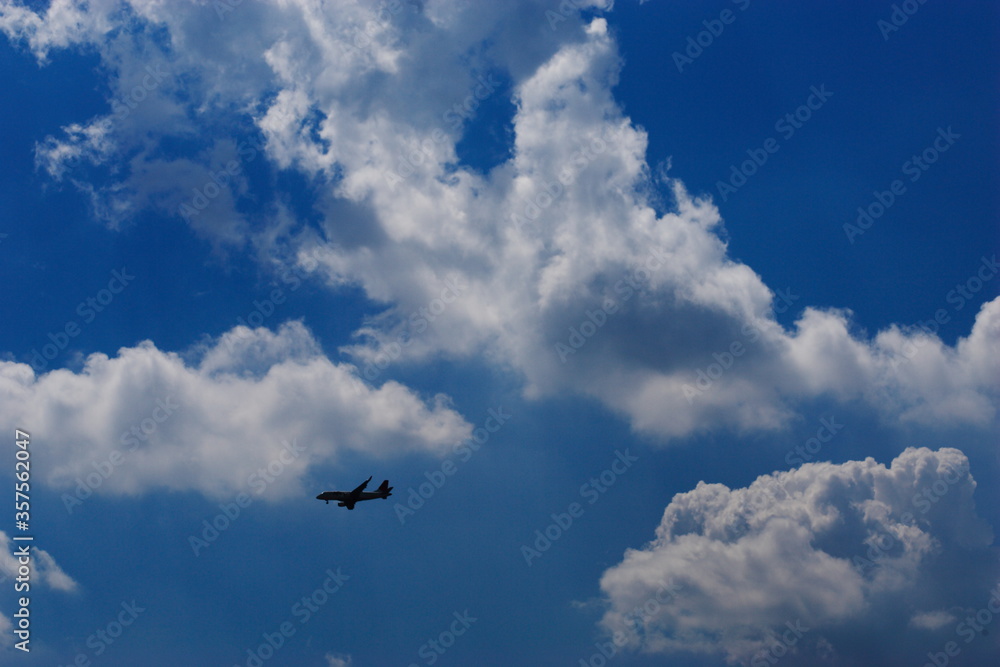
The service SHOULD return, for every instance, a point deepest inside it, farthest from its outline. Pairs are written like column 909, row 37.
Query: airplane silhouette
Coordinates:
column 348, row 498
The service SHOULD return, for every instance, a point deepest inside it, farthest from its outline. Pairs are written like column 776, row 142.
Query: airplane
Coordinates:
column 348, row 498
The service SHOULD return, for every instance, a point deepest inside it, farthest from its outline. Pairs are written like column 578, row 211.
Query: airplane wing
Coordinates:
column 356, row 492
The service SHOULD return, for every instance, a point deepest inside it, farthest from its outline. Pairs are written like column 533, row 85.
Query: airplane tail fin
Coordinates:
column 385, row 489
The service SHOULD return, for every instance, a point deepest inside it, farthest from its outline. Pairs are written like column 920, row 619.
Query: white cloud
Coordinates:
column 65, row 23
column 90, row 142
column 338, row 660
column 6, row 632
column 933, row 620
column 532, row 285
column 853, row 552
column 360, row 99
column 150, row 420
column 568, row 235
column 44, row 569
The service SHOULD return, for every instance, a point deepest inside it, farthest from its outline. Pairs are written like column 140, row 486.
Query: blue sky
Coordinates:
column 497, row 254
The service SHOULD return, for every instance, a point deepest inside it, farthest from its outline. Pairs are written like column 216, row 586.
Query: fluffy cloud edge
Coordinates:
column 556, row 240
column 254, row 412
column 826, row 554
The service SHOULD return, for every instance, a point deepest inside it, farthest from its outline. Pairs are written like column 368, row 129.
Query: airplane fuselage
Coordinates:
column 346, row 495
column 349, row 498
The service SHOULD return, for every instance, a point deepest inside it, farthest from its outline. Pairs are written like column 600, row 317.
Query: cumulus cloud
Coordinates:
column 581, row 272
column 827, row 559
column 148, row 419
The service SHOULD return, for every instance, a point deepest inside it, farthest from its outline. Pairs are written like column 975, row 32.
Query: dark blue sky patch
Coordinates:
column 487, row 125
